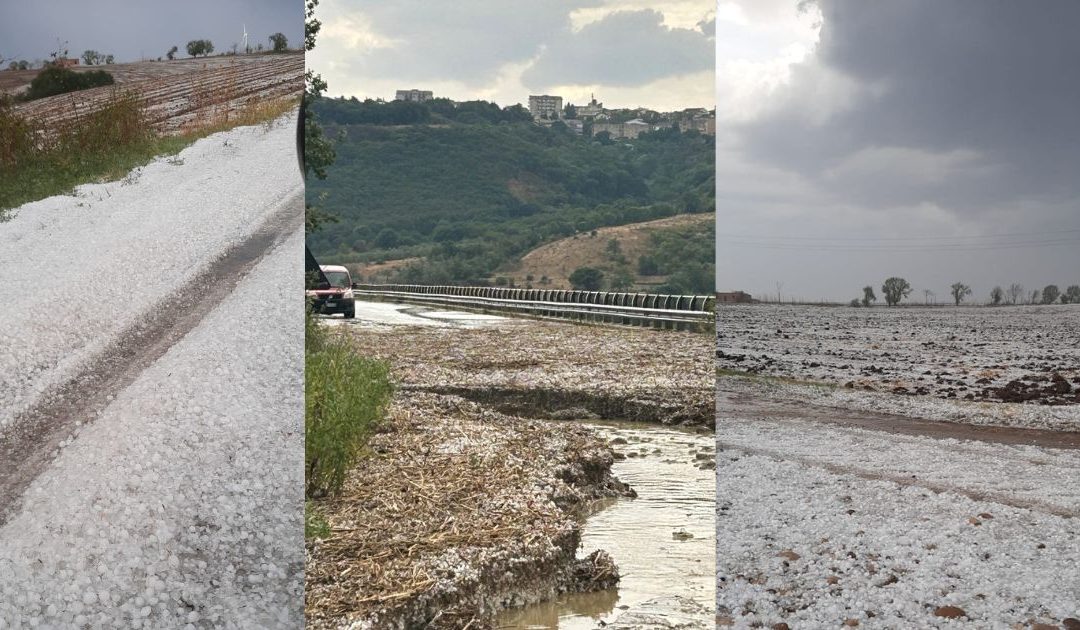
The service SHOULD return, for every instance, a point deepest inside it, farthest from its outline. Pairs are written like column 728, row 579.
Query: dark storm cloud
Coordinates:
column 937, row 141
column 624, row 48
column 143, row 29
column 467, row 41
column 984, row 90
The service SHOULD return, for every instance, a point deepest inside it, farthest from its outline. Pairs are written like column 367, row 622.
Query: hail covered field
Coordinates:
column 894, row 468
column 177, row 95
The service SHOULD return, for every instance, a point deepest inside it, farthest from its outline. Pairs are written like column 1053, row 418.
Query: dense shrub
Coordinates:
column 345, row 398
column 56, row 80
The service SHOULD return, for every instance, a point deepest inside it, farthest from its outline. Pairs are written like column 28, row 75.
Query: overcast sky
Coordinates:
column 936, row 141
column 144, row 29
column 651, row 53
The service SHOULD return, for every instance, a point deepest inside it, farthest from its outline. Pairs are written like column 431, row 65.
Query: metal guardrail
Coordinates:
column 678, row 312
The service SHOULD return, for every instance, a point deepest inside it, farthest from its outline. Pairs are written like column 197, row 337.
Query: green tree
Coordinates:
column 90, row 57
column 1071, row 295
column 895, row 290
column 1050, row 294
column 318, row 149
column 868, row 296
column 109, row 59
column 387, row 239
column 195, row 47
column 647, row 265
column 279, row 42
column 997, row 296
column 587, row 279
column 959, row 291
column 171, row 53
column 570, row 111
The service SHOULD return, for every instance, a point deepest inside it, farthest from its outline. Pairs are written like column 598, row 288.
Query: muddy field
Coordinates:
column 1017, row 365
column 179, row 94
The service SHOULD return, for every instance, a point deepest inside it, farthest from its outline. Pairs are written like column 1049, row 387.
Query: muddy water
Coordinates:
column 663, row 541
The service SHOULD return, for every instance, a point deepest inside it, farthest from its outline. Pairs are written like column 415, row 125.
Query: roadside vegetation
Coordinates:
column 345, row 394
column 345, row 399
column 104, row 145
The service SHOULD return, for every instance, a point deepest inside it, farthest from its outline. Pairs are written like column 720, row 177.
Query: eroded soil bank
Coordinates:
column 473, row 495
column 556, row 370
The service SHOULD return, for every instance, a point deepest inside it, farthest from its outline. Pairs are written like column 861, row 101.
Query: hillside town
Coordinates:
column 593, row 118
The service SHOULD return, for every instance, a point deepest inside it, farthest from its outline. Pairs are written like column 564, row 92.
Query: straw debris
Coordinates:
column 457, row 512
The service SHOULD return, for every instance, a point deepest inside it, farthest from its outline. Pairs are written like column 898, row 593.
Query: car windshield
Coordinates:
column 338, row 279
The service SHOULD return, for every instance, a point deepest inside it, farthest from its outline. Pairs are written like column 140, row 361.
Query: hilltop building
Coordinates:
column 415, row 96
column 592, row 110
column 704, row 124
column 545, row 106
column 628, row 130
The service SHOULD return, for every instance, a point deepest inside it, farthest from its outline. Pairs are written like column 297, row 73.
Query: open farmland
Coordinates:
column 178, row 95
column 1013, row 366
column 898, row 467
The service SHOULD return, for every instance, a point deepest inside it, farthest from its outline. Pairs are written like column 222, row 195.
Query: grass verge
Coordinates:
column 346, row 396
column 102, row 146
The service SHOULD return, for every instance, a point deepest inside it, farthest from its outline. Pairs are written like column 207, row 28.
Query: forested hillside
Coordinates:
column 471, row 192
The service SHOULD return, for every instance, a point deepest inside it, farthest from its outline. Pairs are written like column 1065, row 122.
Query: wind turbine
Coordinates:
column 245, row 39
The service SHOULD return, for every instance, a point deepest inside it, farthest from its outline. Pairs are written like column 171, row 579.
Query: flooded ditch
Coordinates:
column 663, row 541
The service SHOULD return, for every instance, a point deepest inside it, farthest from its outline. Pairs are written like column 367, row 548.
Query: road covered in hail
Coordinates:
column 151, row 372
column 898, row 468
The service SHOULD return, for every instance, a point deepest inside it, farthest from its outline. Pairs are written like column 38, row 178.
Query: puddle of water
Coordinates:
column 674, row 496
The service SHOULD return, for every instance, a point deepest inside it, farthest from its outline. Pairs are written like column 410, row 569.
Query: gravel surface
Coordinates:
column 76, row 271
column 181, row 504
column 1016, row 366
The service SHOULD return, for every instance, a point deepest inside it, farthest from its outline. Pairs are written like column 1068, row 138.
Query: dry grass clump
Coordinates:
column 457, row 512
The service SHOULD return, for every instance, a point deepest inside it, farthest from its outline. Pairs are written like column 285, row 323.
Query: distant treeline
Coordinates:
column 351, row 111
column 896, row 289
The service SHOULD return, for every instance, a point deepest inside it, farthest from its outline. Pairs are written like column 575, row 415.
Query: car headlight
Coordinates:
column 348, row 294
